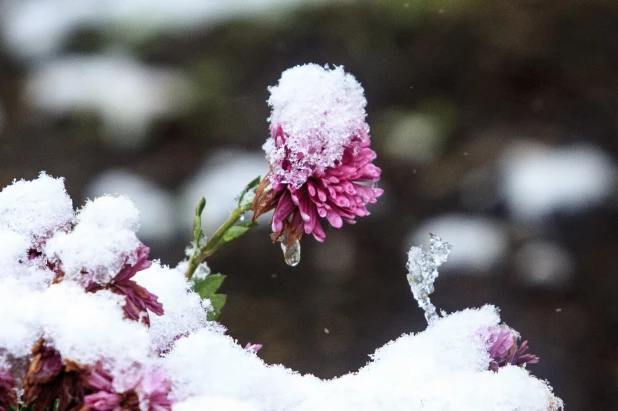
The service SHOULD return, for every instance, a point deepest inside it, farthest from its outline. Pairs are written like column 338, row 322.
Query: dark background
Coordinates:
column 456, row 89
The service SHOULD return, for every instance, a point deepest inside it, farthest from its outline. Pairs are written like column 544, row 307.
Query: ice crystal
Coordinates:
column 423, row 271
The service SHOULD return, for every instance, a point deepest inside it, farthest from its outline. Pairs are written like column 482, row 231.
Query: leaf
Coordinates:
column 197, row 223
column 237, row 230
column 209, row 285
column 207, row 288
column 217, row 301
column 251, row 186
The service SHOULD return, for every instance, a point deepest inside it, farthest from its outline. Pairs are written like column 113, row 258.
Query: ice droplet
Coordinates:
column 242, row 218
column 423, row 271
column 290, row 255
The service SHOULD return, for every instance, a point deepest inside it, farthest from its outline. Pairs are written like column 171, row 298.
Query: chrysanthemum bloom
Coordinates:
column 50, row 378
column 319, row 155
column 151, row 392
column 8, row 397
column 502, row 346
column 138, row 299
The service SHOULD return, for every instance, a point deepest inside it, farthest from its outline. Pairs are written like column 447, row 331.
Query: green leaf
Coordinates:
column 237, row 230
column 209, row 285
column 217, row 301
column 252, row 185
column 197, row 223
column 207, row 288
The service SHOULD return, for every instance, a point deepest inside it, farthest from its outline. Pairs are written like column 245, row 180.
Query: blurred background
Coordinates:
column 495, row 124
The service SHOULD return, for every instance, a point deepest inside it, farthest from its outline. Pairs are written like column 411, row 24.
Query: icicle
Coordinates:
column 423, row 271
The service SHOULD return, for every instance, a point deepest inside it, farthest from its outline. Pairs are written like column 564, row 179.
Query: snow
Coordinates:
column 85, row 327
column 538, row 180
column 36, row 209
column 88, row 327
column 479, row 242
column 156, row 205
column 101, row 243
column 185, row 312
column 127, row 94
column 214, row 404
column 443, row 368
column 320, row 110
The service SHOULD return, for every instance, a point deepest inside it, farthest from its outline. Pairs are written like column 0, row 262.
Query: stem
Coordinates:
column 213, row 244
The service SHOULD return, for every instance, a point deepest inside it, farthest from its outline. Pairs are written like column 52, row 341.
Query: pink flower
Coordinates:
column 254, row 348
column 502, row 347
column 320, row 161
column 8, row 397
column 149, row 392
column 138, row 299
column 154, row 391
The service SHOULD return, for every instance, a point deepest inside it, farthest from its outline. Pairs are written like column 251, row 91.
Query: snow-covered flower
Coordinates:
column 138, row 299
column 147, row 393
column 502, row 347
column 320, row 160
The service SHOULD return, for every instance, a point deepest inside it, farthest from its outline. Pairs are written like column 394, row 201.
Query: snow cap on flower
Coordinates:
column 319, row 111
column 102, row 243
column 321, row 166
column 36, row 209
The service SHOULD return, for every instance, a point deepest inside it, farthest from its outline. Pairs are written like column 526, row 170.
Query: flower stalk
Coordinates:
column 228, row 231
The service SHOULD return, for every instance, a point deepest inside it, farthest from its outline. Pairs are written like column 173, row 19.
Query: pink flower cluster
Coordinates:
column 502, row 346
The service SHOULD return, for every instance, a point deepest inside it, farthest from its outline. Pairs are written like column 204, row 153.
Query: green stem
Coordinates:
column 215, row 241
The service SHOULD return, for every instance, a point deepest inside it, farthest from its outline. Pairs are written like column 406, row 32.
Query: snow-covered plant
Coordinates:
column 89, row 322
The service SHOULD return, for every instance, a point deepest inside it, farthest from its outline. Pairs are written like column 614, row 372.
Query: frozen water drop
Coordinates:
column 242, row 218
column 291, row 255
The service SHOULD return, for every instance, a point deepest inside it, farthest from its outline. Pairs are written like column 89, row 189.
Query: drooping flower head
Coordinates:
column 319, row 155
column 501, row 342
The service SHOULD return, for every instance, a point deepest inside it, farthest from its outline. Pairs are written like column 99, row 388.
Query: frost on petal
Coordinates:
column 36, row 209
column 316, row 113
